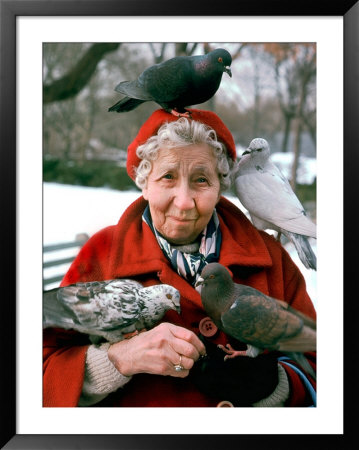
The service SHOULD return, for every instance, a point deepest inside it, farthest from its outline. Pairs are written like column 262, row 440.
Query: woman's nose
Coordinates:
column 184, row 199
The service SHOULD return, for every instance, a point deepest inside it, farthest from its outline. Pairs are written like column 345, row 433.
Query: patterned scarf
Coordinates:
column 190, row 265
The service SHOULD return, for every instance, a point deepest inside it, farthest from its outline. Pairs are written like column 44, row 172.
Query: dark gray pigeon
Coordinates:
column 108, row 309
column 176, row 83
column 254, row 318
column 269, row 198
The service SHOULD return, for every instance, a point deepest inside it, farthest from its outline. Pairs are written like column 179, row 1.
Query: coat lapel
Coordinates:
column 136, row 253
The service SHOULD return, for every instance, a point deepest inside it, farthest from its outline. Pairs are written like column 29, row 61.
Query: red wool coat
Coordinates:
column 130, row 250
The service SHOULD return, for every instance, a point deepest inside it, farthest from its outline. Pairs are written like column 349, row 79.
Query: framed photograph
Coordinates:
column 25, row 27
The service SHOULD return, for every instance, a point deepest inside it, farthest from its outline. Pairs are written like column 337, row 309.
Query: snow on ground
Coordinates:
column 69, row 210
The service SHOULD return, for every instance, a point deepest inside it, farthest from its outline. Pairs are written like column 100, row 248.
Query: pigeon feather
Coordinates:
column 108, row 309
column 254, row 318
column 269, row 198
column 176, row 83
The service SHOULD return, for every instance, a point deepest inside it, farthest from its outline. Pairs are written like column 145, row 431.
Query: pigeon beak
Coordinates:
column 199, row 282
column 228, row 70
column 247, row 152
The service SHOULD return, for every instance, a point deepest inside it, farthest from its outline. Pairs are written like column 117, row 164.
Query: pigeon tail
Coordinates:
column 305, row 252
column 54, row 313
column 126, row 104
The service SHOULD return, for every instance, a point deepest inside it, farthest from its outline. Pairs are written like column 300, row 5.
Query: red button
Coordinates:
column 207, row 327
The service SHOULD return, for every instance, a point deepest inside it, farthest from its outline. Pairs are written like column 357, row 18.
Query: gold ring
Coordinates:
column 178, row 367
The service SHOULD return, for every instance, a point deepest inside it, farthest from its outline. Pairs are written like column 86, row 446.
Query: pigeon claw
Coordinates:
column 133, row 333
column 231, row 353
column 186, row 114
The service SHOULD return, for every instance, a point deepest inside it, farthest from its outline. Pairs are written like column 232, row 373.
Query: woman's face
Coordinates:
column 182, row 191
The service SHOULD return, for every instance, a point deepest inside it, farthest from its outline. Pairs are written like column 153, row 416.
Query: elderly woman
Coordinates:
column 179, row 224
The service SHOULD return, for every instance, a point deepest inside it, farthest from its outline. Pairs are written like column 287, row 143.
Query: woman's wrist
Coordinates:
column 120, row 356
column 101, row 377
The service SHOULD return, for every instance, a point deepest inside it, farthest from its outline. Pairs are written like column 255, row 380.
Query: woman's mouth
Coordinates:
column 182, row 219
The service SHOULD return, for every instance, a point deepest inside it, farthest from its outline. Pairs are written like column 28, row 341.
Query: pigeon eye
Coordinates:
column 220, row 59
column 259, row 149
column 169, row 296
column 211, row 277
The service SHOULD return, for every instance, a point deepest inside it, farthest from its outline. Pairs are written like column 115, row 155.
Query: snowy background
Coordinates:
column 89, row 209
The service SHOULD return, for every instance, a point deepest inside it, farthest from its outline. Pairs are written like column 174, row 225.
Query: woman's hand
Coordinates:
column 157, row 351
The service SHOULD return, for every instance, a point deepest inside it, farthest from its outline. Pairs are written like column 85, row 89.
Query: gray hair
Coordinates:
column 181, row 133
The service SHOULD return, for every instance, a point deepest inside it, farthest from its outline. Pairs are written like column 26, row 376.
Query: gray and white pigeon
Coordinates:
column 269, row 198
column 109, row 309
column 260, row 321
column 176, row 83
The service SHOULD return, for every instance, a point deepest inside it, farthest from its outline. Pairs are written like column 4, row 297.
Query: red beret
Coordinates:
column 160, row 116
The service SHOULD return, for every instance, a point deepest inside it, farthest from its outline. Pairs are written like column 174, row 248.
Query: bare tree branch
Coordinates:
column 163, row 48
column 181, row 48
column 76, row 79
column 158, row 58
column 238, row 51
column 194, row 46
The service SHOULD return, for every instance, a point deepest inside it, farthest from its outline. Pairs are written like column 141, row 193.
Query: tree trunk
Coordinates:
column 297, row 135
column 297, row 139
column 299, row 125
column 288, row 122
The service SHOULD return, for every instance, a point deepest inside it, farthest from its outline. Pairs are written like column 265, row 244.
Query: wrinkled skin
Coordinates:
column 157, row 351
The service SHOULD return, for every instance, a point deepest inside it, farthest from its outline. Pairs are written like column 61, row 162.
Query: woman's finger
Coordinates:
column 185, row 349
column 182, row 366
column 188, row 336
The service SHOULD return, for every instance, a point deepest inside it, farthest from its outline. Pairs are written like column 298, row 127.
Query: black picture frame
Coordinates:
column 10, row 9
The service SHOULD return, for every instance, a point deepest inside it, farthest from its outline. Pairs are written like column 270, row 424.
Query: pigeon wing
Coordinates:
column 93, row 307
column 308, row 321
column 133, row 89
column 162, row 82
column 257, row 319
column 55, row 313
column 267, row 195
column 305, row 341
column 170, row 81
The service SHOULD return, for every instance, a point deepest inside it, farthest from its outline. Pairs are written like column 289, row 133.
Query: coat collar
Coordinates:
column 136, row 251
column 242, row 243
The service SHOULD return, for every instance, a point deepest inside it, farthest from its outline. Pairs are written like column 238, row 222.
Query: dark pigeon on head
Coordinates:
column 176, row 83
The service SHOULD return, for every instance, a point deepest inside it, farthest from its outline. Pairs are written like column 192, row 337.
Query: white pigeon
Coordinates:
column 108, row 309
column 267, row 195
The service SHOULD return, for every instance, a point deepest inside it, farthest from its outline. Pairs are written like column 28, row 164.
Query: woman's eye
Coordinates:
column 168, row 176
column 201, row 180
